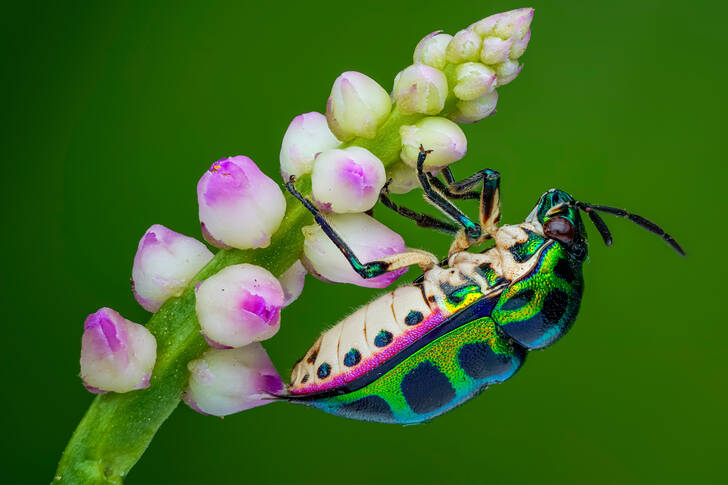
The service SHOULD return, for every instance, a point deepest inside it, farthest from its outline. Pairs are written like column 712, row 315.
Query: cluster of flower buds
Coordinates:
column 453, row 80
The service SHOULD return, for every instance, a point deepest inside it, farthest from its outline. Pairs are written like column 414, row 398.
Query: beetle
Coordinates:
column 469, row 321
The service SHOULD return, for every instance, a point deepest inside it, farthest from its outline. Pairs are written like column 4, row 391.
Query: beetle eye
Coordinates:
column 560, row 229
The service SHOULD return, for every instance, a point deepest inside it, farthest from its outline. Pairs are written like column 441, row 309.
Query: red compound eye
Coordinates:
column 560, row 229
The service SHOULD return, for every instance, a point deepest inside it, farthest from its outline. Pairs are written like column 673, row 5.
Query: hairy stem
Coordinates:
column 117, row 428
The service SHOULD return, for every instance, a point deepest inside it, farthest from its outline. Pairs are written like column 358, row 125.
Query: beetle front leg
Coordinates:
column 366, row 270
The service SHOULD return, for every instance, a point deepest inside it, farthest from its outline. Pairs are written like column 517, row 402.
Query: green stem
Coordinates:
column 118, row 428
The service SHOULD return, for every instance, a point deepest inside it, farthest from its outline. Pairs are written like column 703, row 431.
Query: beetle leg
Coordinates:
column 366, row 270
column 422, row 220
column 439, row 200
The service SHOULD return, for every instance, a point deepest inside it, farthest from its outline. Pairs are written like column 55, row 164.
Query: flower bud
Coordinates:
column 506, row 25
column 240, row 206
column 476, row 109
column 292, row 281
column 116, row 354
column 306, row 136
column 239, row 305
column 495, row 50
column 420, row 89
column 347, row 180
column 368, row 238
column 473, row 80
column 164, row 264
column 403, row 178
column 464, row 47
column 431, row 50
column 357, row 106
column 445, row 138
column 507, row 71
column 224, row 382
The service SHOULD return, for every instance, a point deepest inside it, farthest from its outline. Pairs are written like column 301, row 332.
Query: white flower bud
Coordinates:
column 357, row 106
column 495, row 50
column 445, row 138
column 224, row 382
column 292, row 281
column 420, row 89
column 403, row 178
column 431, row 50
column 473, row 80
column 116, row 354
column 476, row 109
column 238, row 305
column 519, row 46
column 164, row 264
column 464, row 47
column 347, row 180
column 368, row 238
column 506, row 25
column 306, row 136
column 507, row 71
column 239, row 205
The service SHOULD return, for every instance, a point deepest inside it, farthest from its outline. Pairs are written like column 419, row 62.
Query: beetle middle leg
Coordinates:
column 422, row 220
column 372, row 269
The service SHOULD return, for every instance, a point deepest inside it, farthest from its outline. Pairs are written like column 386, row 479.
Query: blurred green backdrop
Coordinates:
column 112, row 111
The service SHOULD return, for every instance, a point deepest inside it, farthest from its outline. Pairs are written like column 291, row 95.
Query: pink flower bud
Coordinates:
column 506, row 25
column 292, row 281
column 240, row 206
column 224, row 382
column 519, row 46
column 507, row 71
column 464, row 47
column 357, row 106
column 473, row 80
column 239, row 305
column 306, row 136
column 404, row 178
column 476, row 109
column 164, row 264
column 445, row 138
column 420, row 89
column 116, row 354
column 368, row 238
column 347, row 180
column 431, row 50
column 495, row 50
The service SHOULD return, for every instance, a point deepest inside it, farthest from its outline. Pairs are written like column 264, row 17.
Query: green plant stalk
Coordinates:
column 117, row 428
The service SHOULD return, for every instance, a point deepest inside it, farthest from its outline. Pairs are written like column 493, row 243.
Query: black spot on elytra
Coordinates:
column 413, row 318
column 370, row 408
column 305, row 379
column 480, row 362
column 426, row 388
column 519, row 300
column 431, row 298
column 312, row 357
column 554, row 305
column 563, row 270
column 324, row 370
column 352, row 358
column 383, row 338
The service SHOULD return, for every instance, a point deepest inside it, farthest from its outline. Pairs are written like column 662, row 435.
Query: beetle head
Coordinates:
column 556, row 216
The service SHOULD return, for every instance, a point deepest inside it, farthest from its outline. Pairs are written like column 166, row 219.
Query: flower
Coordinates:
column 507, row 71
column 292, row 281
column 420, row 89
column 357, row 106
column 473, row 80
column 445, row 138
column 495, row 50
column 116, row 354
column 476, row 109
column 506, row 25
column 431, row 50
column 164, row 264
column 239, row 205
column 224, row 382
column 239, row 305
column 306, row 136
column 347, row 180
column 403, row 178
column 368, row 238
column 464, row 47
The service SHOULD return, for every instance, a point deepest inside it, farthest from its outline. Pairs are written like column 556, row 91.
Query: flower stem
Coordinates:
column 117, row 428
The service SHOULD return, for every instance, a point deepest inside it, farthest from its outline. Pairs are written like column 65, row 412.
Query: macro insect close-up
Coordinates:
column 339, row 226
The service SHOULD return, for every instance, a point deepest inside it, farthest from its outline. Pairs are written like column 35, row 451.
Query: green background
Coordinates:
column 111, row 113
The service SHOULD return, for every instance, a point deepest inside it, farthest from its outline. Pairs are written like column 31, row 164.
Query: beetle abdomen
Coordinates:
column 440, row 376
column 364, row 340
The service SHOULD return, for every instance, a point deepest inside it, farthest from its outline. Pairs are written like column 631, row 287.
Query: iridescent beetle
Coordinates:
column 466, row 323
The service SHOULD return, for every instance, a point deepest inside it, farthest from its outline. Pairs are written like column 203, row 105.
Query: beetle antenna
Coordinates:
column 639, row 220
column 598, row 222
